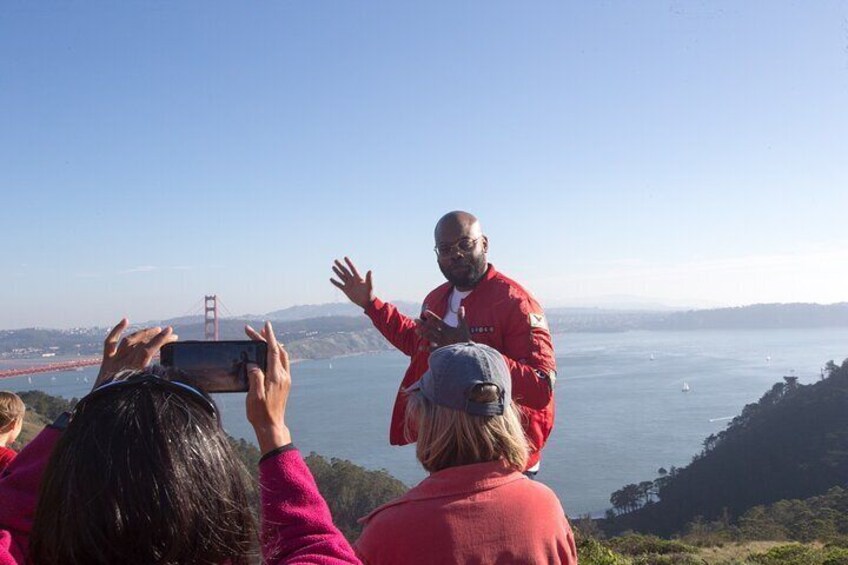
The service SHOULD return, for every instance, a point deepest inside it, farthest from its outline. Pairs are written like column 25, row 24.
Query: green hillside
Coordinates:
column 791, row 444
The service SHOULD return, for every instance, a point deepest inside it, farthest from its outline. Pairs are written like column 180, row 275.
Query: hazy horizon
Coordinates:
column 691, row 153
column 619, row 305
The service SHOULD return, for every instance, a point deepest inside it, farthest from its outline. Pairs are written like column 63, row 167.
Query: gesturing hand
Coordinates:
column 135, row 351
column 268, row 394
column 360, row 291
column 436, row 333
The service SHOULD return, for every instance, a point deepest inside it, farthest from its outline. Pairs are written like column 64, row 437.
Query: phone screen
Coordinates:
column 215, row 366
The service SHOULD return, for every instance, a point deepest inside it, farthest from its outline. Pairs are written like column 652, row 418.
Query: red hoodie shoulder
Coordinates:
column 499, row 283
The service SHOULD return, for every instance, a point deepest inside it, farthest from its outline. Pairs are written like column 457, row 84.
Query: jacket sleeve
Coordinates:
column 19, row 495
column 296, row 523
column 529, row 354
column 395, row 327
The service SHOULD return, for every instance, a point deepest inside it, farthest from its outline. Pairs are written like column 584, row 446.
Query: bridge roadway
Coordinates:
column 50, row 367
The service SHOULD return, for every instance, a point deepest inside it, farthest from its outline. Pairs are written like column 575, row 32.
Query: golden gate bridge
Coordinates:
column 210, row 333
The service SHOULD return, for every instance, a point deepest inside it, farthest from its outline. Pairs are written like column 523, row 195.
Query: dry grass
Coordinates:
column 33, row 424
column 736, row 552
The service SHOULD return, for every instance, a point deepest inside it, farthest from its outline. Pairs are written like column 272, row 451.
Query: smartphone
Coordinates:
column 215, row 366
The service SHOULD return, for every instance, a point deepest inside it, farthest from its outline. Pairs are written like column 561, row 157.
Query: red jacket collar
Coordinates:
column 455, row 481
column 491, row 272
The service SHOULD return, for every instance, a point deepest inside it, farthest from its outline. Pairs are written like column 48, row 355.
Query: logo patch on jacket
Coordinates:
column 539, row 321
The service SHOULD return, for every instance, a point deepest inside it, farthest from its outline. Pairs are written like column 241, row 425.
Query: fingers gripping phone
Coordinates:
column 215, row 366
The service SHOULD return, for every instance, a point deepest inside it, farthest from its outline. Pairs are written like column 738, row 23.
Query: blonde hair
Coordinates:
column 449, row 438
column 12, row 408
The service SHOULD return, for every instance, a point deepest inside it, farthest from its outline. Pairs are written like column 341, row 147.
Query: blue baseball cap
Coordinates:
column 456, row 369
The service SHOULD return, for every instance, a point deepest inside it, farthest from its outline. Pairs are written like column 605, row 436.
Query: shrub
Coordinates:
column 637, row 544
column 789, row 554
column 835, row 556
column 668, row 559
column 590, row 551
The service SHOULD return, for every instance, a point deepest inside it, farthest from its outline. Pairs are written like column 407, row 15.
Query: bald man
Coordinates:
column 477, row 303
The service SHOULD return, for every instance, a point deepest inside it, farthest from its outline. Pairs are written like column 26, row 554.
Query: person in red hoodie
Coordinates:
column 477, row 303
column 12, row 411
column 476, row 506
column 141, row 472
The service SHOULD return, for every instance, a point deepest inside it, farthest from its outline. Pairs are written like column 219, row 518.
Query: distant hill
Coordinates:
column 757, row 316
column 29, row 343
column 791, row 444
column 334, row 309
column 233, row 328
column 567, row 320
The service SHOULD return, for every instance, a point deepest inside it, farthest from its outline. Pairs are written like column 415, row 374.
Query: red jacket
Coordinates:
column 501, row 314
column 480, row 513
column 7, row 455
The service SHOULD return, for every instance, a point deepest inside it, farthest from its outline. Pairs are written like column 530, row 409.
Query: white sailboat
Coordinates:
column 686, row 387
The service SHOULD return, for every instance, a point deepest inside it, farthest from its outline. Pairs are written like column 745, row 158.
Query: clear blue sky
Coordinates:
column 150, row 152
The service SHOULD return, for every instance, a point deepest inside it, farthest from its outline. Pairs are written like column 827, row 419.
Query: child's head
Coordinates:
column 12, row 410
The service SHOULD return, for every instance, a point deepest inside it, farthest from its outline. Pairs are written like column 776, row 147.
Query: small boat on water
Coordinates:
column 685, row 387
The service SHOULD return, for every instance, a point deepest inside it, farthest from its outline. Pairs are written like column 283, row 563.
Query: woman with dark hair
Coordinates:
column 476, row 506
column 141, row 472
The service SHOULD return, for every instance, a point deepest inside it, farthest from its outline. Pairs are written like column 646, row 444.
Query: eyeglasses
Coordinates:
column 149, row 379
column 464, row 244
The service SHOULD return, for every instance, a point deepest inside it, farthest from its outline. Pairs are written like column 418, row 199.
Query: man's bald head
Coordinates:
column 458, row 222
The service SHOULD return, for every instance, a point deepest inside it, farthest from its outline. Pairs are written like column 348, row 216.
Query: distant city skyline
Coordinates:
column 681, row 153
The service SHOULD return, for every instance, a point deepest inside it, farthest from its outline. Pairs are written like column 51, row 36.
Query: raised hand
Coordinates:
column 359, row 290
column 136, row 351
column 436, row 333
column 269, row 394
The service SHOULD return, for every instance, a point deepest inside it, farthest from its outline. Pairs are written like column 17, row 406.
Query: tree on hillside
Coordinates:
column 47, row 405
column 352, row 491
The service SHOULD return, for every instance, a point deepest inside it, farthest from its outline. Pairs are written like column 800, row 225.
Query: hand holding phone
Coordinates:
column 134, row 351
column 269, row 393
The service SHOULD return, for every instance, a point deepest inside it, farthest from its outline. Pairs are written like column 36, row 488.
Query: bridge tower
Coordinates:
column 210, row 322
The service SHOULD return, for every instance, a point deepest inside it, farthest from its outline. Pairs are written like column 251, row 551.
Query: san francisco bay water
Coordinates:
column 621, row 411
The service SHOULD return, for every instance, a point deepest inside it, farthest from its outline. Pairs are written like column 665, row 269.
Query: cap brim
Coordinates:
column 414, row 387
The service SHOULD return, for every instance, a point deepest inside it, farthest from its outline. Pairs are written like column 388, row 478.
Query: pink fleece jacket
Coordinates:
column 480, row 513
column 296, row 522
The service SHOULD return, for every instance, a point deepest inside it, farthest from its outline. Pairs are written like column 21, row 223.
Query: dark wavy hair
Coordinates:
column 144, row 474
